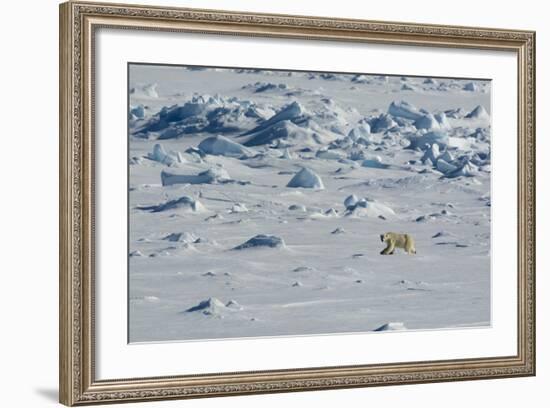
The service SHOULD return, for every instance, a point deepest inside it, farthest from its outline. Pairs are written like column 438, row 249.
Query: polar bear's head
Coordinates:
column 384, row 237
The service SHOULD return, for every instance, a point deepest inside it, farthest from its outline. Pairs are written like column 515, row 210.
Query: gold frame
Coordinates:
column 78, row 22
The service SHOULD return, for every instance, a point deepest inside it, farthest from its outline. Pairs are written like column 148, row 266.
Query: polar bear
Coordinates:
column 394, row 240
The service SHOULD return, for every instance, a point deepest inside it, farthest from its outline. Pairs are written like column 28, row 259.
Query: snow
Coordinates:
column 306, row 178
column 230, row 142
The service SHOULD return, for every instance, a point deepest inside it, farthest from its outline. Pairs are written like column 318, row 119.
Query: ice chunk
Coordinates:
column 382, row 123
column 361, row 131
column 442, row 120
column 375, row 163
column 442, row 234
column 147, row 90
column 222, row 146
column 214, row 175
column 391, row 326
column 445, row 167
column 233, row 304
column 405, row 110
column 370, row 208
column 287, row 155
column 160, row 155
column 306, row 178
column 329, row 155
column 259, row 87
column 306, row 133
column 238, row 208
column 470, row 86
column 331, row 212
column 479, row 112
column 289, row 112
column 447, row 156
column 431, row 154
column 262, row 241
column 455, row 113
column 467, row 170
column 351, row 200
column 184, row 203
column 303, row 269
column 210, row 307
column 185, row 237
column 209, row 274
column 427, row 140
column 427, row 122
column 138, row 111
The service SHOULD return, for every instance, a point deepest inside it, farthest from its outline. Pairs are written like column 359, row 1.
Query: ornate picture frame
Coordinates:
column 79, row 22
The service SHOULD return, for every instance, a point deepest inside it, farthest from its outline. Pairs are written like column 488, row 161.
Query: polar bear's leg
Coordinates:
column 409, row 245
column 389, row 249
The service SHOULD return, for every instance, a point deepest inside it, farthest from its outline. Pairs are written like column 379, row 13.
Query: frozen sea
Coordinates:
column 257, row 200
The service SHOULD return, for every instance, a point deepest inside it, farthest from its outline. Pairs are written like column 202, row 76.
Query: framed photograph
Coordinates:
column 255, row 203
